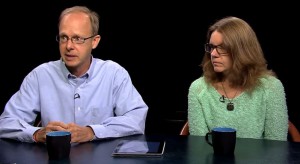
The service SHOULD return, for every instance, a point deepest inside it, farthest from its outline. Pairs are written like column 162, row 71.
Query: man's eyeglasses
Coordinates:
column 75, row 39
column 210, row 47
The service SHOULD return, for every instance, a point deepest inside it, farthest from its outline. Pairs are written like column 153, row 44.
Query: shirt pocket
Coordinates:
column 100, row 114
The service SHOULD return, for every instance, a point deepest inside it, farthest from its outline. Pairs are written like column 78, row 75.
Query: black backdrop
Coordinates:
column 159, row 43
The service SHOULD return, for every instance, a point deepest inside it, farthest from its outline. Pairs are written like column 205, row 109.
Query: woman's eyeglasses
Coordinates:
column 210, row 47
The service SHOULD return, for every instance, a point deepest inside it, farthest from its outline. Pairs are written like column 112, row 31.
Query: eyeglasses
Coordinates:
column 210, row 47
column 75, row 39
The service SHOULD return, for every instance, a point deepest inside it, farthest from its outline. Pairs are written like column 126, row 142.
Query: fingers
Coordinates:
column 57, row 126
column 78, row 133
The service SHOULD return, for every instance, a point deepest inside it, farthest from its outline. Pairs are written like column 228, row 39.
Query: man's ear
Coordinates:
column 96, row 41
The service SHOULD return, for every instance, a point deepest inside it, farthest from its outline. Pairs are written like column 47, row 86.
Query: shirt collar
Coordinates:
column 87, row 75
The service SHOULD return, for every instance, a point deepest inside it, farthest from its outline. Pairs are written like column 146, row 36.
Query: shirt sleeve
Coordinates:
column 196, row 119
column 20, row 112
column 276, row 123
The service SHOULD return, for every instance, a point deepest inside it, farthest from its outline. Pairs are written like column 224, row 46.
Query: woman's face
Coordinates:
column 220, row 59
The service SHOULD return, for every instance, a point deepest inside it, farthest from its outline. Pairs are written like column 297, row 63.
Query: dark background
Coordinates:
column 159, row 43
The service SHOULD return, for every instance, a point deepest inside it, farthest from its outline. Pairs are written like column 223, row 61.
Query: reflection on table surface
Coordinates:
column 179, row 149
column 133, row 146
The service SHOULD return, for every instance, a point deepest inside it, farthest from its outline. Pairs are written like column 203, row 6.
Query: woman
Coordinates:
column 237, row 90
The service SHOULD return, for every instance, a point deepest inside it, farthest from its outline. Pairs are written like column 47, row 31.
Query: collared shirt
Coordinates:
column 104, row 98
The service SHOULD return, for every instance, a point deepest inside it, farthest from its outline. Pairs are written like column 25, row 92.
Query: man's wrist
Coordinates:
column 94, row 137
column 35, row 136
column 93, row 133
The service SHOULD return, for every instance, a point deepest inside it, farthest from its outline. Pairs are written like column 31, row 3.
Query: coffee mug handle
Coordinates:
column 207, row 138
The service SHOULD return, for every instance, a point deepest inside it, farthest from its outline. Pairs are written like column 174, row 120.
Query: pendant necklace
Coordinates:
column 230, row 105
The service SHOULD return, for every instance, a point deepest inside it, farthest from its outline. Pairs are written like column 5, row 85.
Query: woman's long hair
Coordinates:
column 248, row 61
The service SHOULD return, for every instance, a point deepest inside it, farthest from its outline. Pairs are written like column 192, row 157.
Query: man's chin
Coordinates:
column 70, row 64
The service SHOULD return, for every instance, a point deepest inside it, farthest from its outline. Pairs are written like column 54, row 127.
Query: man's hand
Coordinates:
column 78, row 133
column 40, row 135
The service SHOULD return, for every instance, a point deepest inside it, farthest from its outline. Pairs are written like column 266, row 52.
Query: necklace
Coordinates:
column 230, row 105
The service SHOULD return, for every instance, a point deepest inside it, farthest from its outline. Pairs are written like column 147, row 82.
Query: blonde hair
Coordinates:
column 94, row 17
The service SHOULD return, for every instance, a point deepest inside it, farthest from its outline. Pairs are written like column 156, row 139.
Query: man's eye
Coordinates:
column 76, row 38
column 64, row 38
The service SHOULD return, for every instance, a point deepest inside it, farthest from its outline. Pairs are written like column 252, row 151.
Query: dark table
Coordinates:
column 179, row 149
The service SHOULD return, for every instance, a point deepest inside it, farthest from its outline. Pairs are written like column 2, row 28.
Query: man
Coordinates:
column 90, row 97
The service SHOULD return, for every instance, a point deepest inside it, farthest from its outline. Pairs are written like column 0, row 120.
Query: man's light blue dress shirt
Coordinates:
column 104, row 98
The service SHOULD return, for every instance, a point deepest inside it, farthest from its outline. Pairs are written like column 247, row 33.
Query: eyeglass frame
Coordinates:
column 212, row 47
column 73, row 39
